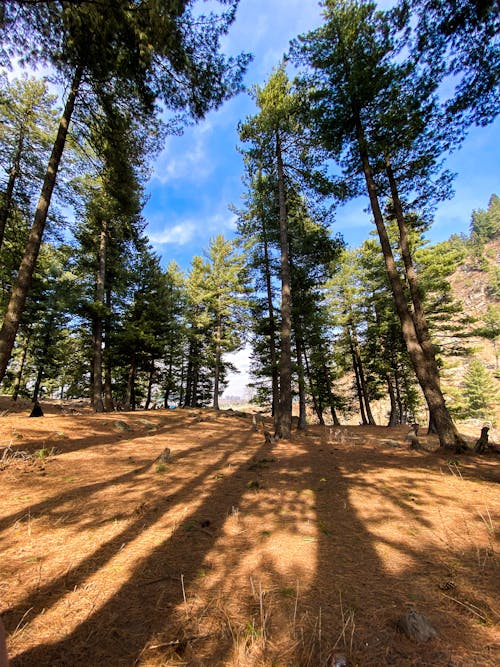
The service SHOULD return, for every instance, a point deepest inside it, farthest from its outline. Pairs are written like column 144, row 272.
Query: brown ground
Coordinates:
column 237, row 552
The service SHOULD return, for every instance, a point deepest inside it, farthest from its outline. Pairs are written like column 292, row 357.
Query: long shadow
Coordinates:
column 103, row 436
column 351, row 604
column 54, row 504
column 117, row 632
column 74, row 576
column 375, row 590
column 353, row 586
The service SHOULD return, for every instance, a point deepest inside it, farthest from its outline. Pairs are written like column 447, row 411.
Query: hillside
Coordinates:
column 471, row 287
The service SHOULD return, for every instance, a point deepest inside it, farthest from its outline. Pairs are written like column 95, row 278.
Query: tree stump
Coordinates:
column 413, row 440
column 37, row 410
column 482, row 444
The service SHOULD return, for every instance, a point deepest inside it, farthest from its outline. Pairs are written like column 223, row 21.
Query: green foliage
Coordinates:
column 485, row 225
column 480, row 391
column 27, row 122
column 459, row 39
column 215, row 316
column 144, row 50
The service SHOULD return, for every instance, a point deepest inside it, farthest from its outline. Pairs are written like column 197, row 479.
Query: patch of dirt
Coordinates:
column 235, row 552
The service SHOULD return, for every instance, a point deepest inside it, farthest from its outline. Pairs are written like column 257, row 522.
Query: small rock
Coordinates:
column 391, row 443
column 416, row 627
column 121, row 425
column 164, row 456
column 147, row 424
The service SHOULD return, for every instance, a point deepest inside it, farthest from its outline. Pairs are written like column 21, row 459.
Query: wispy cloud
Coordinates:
column 179, row 234
column 184, row 231
column 185, row 158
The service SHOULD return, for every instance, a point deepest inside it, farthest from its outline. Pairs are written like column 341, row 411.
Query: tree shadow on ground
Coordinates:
column 281, row 556
column 117, row 632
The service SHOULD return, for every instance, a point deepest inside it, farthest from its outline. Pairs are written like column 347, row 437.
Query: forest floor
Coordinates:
column 301, row 553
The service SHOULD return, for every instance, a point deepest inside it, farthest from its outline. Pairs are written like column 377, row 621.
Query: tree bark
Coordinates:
column 425, row 372
column 14, row 172
column 302, row 385
column 130, row 398
column 393, row 416
column 43, row 358
column 20, row 290
column 283, row 420
column 218, row 337
column 361, row 402
column 97, row 388
column 38, row 382
column 272, row 325
column 317, row 408
column 150, row 383
column 17, row 382
column 362, row 380
column 168, row 384
column 331, row 401
column 419, row 318
column 109, row 405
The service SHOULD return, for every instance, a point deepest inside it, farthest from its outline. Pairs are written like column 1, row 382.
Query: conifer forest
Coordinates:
column 88, row 308
column 400, row 332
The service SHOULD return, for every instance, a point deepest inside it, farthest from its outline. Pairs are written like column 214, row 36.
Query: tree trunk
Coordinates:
column 362, row 380
column 419, row 318
column 97, row 392
column 181, row 390
column 14, row 172
column 425, row 372
column 402, row 409
column 189, row 376
column 359, row 392
column 272, row 325
column 43, row 357
column 328, row 383
column 393, row 416
column 317, row 409
column 38, row 382
column 109, row 405
column 218, row 337
column 302, row 385
column 130, row 398
column 150, row 383
column 333, row 412
column 20, row 290
column 283, row 421
column 17, row 382
column 168, row 385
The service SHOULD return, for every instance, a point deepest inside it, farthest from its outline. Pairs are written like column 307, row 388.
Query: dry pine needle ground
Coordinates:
column 235, row 552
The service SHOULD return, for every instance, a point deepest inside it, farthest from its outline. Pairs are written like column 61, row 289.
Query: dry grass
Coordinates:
column 297, row 554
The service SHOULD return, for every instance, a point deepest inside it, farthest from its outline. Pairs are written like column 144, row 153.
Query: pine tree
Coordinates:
column 485, row 225
column 132, row 53
column 352, row 78
column 224, row 291
column 480, row 390
column 281, row 146
column 27, row 121
column 459, row 39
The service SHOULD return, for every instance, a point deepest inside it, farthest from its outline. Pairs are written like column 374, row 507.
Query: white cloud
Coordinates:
column 185, row 158
column 179, row 234
column 184, row 231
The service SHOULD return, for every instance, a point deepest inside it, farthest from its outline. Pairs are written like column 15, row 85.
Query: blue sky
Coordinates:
column 198, row 175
